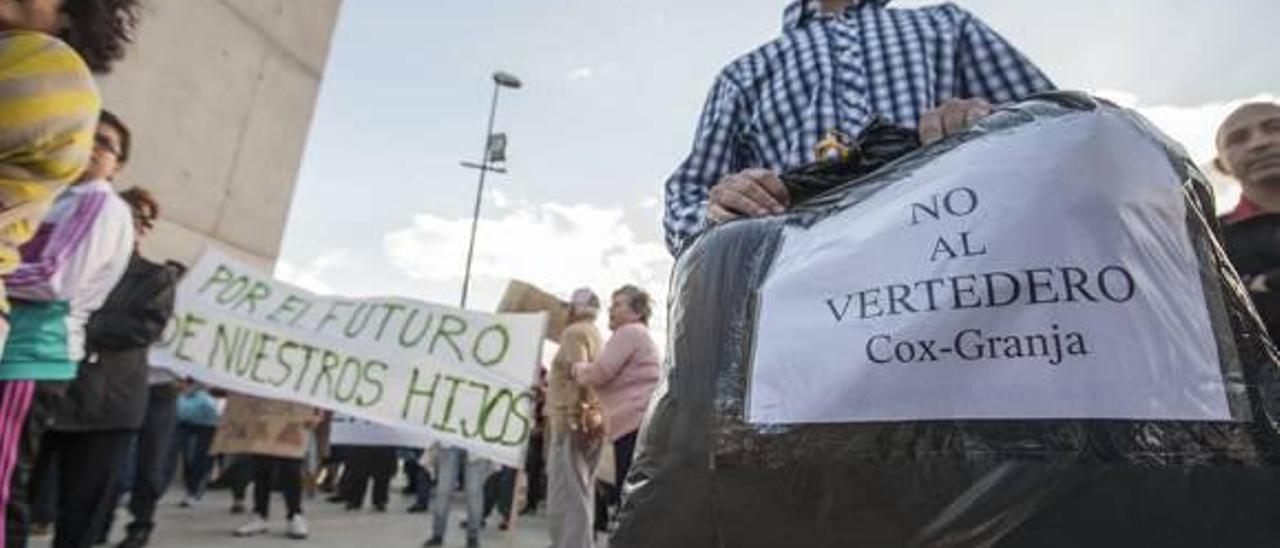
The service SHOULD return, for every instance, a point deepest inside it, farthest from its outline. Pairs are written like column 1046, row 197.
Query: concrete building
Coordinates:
column 220, row 94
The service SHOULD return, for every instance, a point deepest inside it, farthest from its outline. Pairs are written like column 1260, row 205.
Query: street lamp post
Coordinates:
column 500, row 80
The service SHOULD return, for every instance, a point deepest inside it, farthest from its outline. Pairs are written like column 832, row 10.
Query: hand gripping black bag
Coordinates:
column 1026, row 335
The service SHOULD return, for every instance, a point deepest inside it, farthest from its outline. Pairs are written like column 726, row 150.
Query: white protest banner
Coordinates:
column 462, row 378
column 1045, row 273
column 348, row 430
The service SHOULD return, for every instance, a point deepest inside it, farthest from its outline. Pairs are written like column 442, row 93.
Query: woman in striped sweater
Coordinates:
column 49, row 107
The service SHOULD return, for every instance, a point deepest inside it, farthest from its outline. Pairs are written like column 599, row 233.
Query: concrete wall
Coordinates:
column 219, row 94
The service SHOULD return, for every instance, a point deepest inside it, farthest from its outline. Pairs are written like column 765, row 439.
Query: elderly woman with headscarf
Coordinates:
column 576, row 428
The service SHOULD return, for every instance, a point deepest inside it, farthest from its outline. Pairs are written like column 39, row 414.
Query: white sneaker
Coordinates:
column 256, row 527
column 297, row 528
column 187, row 502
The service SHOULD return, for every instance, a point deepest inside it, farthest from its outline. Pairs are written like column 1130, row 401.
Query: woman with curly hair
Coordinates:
column 49, row 107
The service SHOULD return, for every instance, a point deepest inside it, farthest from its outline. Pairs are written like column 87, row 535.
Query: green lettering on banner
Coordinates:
column 310, row 352
column 328, row 361
column 232, row 291
column 257, row 292
column 244, row 354
column 487, row 413
column 188, row 331
column 404, row 328
column 224, row 345
column 329, row 316
column 291, row 304
column 220, row 275
column 415, row 392
column 372, row 380
column 462, row 423
column 239, row 324
column 348, row 365
column 443, row 425
column 301, row 313
column 499, row 329
column 392, row 309
column 516, row 409
column 363, row 312
column 448, row 334
column 288, row 367
column 261, row 351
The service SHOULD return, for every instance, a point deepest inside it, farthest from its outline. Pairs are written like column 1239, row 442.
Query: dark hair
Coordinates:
column 638, row 300
column 100, row 29
column 138, row 198
column 126, row 136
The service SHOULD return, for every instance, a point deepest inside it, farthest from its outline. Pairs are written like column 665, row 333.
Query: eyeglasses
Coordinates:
column 105, row 143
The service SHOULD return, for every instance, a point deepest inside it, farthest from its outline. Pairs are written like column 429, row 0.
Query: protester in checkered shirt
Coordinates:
column 837, row 66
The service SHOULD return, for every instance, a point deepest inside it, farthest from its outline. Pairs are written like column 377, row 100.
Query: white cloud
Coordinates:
column 1195, row 127
column 311, row 276
column 499, row 199
column 581, row 73
column 558, row 247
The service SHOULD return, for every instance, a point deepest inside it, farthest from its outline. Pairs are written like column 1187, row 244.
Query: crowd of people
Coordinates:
column 68, row 252
column 595, row 392
column 86, row 422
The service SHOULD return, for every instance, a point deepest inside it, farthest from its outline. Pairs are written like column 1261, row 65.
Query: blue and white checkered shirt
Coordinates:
column 835, row 72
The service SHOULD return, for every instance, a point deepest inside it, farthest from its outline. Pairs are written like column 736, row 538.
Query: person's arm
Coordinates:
column 992, row 69
column 615, row 355
column 137, row 316
column 85, row 257
column 711, row 159
column 989, row 71
column 99, row 264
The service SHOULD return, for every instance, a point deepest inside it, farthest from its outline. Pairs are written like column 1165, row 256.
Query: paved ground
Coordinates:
column 210, row 524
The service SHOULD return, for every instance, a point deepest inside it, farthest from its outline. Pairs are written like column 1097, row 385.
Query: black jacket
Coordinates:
column 110, row 391
column 1253, row 245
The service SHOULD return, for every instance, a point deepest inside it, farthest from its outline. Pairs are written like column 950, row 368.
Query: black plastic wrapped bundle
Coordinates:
column 705, row 476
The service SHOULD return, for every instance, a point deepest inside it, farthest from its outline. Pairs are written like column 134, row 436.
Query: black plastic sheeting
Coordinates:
column 703, row 477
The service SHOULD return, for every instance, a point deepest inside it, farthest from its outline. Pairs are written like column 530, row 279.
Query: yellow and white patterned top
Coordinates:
column 49, row 108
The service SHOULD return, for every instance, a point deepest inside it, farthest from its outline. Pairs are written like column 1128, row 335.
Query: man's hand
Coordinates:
column 951, row 117
column 748, row 193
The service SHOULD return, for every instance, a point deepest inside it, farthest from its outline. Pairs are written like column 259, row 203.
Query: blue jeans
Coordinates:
column 193, row 442
column 447, row 464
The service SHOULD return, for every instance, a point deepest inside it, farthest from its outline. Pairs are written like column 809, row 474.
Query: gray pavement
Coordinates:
column 210, row 523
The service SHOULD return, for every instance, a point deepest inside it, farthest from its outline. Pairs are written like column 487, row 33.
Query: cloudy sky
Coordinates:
column 612, row 91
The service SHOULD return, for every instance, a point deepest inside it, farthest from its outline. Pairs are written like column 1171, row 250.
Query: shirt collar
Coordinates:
column 800, row 11
column 1244, row 210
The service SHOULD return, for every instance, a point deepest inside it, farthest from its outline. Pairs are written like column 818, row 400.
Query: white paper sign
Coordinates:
column 462, row 378
column 1046, row 273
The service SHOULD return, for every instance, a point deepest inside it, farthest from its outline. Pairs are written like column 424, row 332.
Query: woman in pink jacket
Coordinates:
column 625, row 374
